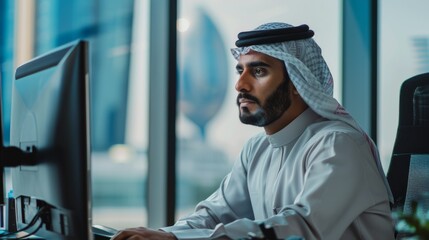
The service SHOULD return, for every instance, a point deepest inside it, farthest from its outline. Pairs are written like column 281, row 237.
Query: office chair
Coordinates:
column 408, row 173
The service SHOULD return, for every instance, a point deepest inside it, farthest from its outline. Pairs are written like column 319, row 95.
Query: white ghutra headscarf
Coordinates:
column 311, row 77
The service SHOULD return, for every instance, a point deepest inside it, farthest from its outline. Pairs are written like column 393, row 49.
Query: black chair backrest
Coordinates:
column 408, row 173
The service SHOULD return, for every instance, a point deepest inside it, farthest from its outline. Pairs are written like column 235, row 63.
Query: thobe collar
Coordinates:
column 293, row 129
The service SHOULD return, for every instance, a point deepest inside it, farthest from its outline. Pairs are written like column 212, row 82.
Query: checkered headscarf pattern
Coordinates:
column 311, row 76
column 307, row 70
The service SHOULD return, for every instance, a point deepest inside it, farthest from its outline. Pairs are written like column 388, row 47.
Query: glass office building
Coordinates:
column 208, row 135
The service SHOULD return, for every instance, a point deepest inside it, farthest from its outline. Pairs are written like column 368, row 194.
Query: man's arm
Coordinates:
column 336, row 191
column 143, row 233
column 228, row 203
column 341, row 182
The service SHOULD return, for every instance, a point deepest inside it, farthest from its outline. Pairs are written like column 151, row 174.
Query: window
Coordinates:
column 7, row 25
column 118, row 51
column 403, row 53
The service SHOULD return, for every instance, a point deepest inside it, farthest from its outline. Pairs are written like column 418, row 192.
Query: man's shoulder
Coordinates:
column 333, row 128
column 329, row 125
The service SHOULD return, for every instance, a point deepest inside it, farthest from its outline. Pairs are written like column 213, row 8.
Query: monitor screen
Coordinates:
column 50, row 116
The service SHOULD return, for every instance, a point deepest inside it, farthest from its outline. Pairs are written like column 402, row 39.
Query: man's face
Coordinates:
column 263, row 87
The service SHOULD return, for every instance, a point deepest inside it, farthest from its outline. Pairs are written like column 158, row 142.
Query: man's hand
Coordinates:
column 141, row 233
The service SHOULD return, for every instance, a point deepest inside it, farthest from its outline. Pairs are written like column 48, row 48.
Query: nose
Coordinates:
column 243, row 84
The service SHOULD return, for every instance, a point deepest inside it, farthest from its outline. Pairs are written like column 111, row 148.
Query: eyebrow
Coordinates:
column 253, row 64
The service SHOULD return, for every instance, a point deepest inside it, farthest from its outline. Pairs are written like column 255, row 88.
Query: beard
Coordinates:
column 273, row 108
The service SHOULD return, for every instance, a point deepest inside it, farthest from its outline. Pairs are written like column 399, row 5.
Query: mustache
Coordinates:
column 247, row 96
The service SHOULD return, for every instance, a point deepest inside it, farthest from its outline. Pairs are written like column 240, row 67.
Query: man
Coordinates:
column 313, row 173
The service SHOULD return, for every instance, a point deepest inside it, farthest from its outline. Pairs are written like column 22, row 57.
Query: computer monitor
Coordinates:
column 50, row 117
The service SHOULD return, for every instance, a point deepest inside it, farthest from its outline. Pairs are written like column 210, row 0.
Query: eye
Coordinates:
column 259, row 72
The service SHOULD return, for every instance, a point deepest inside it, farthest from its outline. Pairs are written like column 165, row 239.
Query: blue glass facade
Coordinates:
column 107, row 25
column 6, row 60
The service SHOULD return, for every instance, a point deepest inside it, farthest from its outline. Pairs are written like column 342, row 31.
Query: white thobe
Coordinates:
column 315, row 178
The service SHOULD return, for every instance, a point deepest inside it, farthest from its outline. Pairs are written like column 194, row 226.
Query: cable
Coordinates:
column 33, row 232
column 32, row 222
